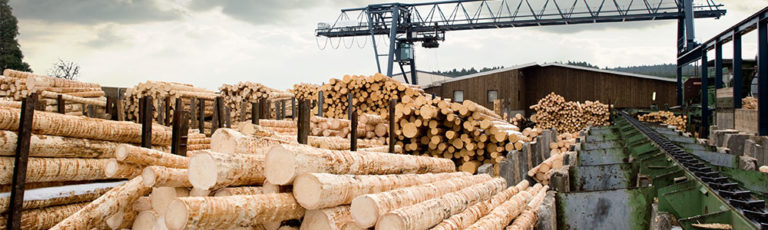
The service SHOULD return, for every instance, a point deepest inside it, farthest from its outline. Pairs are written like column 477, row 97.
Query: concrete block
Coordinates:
column 719, row 136
column 508, row 169
column 761, row 149
column 486, row 169
column 747, row 163
column 661, row 221
column 547, row 216
column 735, row 142
column 750, row 148
column 559, row 180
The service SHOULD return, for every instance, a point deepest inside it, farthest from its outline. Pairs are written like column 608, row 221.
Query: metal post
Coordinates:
column 737, row 78
column 255, row 113
column 201, row 115
column 119, row 110
column 679, row 85
column 227, row 117
column 719, row 65
column 282, row 109
column 146, row 121
column 193, row 112
column 107, row 110
column 392, row 105
column 373, row 39
column 167, row 112
column 20, row 162
column 353, row 129
column 293, row 108
column 178, row 133
column 320, row 103
column 266, row 111
column 762, row 78
column 393, row 39
column 61, row 104
column 303, row 122
column 243, row 111
column 350, row 106
column 704, row 95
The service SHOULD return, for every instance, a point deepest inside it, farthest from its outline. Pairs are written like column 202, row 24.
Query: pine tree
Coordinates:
column 10, row 53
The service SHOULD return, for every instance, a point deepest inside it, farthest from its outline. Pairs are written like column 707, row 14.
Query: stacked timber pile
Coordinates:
column 371, row 94
column 553, row 111
column 329, row 142
column 238, row 97
column 369, row 127
column 16, row 85
column 665, row 117
column 749, row 103
column 160, row 91
column 466, row 132
column 304, row 91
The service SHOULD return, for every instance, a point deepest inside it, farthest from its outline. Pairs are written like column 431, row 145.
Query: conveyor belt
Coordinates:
column 738, row 199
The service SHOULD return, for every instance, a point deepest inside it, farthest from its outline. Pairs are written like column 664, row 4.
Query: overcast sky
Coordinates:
column 208, row 43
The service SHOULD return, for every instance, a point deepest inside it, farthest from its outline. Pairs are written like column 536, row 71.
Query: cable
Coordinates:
column 318, row 43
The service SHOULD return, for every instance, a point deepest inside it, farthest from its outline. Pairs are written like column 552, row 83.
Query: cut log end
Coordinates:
column 202, row 171
column 280, row 166
column 390, row 221
column 364, row 211
column 148, row 177
column 111, row 168
column 146, row 220
column 176, row 218
column 315, row 220
column 223, row 141
column 115, row 220
column 161, row 197
column 121, row 152
column 306, row 190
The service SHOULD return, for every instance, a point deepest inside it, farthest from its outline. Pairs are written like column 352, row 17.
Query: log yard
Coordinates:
column 542, row 145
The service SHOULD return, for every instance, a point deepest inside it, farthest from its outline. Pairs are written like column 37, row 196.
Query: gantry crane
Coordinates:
column 409, row 23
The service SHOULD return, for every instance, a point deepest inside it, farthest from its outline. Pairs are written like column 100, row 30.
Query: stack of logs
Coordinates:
column 165, row 94
column 467, row 132
column 559, row 147
column 371, row 94
column 72, row 162
column 369, row 127
column 305, row 91
column 665, row 117
column 553, row 111
column 239, row 98
column 749, row 103
column 77, row 95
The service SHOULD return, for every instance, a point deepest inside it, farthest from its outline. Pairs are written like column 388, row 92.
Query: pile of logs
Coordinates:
column 15, row 85
column 553, row 111
column 749, row 103
column 466, row 132
column 369, row 127
column 304, row 91
column 371, row 94
column 239, row 98
column 165, row 94
column 665, row 117
column 559, row 147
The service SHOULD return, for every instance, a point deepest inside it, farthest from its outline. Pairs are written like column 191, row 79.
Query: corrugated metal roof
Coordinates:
column 553, row 64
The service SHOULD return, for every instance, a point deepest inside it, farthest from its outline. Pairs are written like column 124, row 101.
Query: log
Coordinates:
column 142, row 204
column 322, row 190
column 146, row 220
column 143, row 156
column 159, row 176
column 83, row 127
column 429, row 213
column 285, row 162
column 56, row 146
column 61, row 195
column 336, row 218
column 122, row 219
column 230, row 211
column 231, row 141
column 70, row 97
column 44, row 218
column 235, row 191
column 56, row 169
column 162, row 196
column 502, row 215
column 94, row 214
column 468, row 217
column 46, row 81
column 211, row 170
column 115, row 169
column 367, row 209
column 10, row 104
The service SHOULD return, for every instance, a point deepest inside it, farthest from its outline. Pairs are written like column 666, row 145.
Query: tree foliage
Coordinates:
column 10, row 52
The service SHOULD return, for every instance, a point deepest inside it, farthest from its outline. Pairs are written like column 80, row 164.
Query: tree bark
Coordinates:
column 142, row 156
column 285, row 162
column 336, row 218
column 68, row 194
column 211, row 170
column 367, row 209
column 502, row 215
column 468, row 217
column 230, row 211
column 232, row 141
column 322, row 190
column 236, row 191
column 159, row 176
column 44, row 218
column 57, row 146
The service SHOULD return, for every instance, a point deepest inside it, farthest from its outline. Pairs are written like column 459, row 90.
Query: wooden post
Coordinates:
column 277, row 110
column 201, row 115
column 350, row 99
column 320, row 103
column 179, row 132
column 215, row 124
column 167, row 111
column 293, row 108
column 222, row 112
column 107, row 110
column 60, row 105
column 227, row 117
column 266, row 111
column 90, row 110
column 20, row 161
column 243, row 111
column 353, row 129
column 392, row 105
column 303, row 122
column 146, row 121
column 120, row 110
column 282, row 109
column 255, row 112
column 193, row 112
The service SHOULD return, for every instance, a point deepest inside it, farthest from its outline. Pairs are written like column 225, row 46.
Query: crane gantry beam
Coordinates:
column 407, row 23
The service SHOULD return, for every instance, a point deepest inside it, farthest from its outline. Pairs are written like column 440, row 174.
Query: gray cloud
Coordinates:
column 106, row 36
column 270, row 11
column 91, row 11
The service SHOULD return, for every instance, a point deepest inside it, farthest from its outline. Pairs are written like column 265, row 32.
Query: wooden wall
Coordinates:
column 507, row 84
column 522, row 88
column 581, row 85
